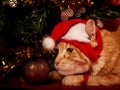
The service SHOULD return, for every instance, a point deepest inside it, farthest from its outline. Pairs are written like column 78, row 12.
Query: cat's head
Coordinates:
column 70, row 60
column 79, row 42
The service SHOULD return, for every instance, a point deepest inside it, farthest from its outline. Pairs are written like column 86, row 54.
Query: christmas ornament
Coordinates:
column 99, row 23
column 35, row 71
column 65, row 14
column 115, row 2
column 75, row 5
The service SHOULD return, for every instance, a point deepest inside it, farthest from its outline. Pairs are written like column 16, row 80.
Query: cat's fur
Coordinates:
column 72, row 63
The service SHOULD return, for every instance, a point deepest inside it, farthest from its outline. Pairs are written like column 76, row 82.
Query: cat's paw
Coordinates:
column 54, row 75
column 74, row 80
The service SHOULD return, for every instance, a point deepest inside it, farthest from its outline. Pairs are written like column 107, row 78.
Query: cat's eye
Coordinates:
column 69, row 49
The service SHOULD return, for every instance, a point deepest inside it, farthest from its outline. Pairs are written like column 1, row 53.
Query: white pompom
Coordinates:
column 48, row 43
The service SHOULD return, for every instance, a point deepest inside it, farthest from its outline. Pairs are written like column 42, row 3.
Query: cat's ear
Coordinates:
column 90, row 27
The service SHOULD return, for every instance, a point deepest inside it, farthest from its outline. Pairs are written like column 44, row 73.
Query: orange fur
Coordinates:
column 72, row 63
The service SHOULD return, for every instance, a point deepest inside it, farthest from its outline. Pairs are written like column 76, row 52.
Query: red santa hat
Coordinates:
column 73, row 32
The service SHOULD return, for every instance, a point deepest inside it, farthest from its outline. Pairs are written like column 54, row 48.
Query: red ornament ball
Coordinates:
column 115, row 2
column 35, row 71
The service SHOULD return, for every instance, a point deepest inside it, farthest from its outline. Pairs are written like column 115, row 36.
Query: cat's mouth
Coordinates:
column 65, row 73
column 72, row 68
column 70, row 72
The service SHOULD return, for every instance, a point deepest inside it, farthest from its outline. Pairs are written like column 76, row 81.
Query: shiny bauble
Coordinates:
column 115, row 2
column 35, row 71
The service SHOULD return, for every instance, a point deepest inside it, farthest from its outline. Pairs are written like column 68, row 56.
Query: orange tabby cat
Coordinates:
column 78, row 69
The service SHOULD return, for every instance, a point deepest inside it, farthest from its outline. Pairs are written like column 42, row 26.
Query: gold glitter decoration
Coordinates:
column 24, row 52
column 13, row 3
column 73, row 4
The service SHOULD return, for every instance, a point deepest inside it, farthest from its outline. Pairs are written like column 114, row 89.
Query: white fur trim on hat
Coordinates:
column 48, row 43
column 77, row 32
